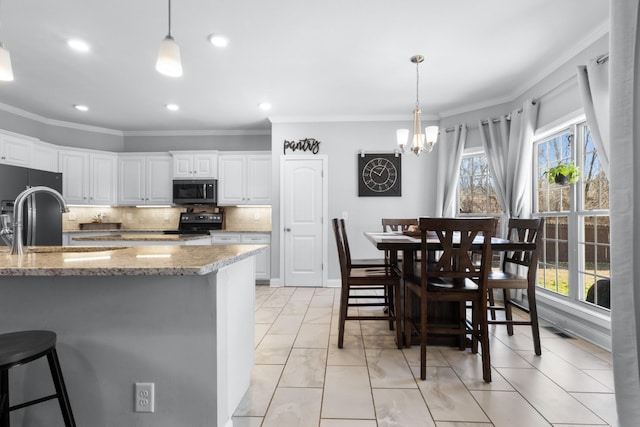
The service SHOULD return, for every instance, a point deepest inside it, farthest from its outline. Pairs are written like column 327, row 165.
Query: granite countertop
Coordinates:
column 147, row 237
column 169, row 260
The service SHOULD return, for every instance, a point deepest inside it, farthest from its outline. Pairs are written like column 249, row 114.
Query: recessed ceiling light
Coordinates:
column 218, row 40
column 264, row 106
column 80, row 107
column 79, row 45
column 172, row 107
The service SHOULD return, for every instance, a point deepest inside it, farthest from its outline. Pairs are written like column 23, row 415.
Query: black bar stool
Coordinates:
column 17, row 348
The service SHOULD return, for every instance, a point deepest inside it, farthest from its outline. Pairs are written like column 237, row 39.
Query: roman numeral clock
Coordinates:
column 379, row 175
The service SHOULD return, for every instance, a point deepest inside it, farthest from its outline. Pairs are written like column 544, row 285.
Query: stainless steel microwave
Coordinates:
column 195, row 191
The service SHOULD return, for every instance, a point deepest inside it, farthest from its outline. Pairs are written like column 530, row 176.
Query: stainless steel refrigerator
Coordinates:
column 42, row 223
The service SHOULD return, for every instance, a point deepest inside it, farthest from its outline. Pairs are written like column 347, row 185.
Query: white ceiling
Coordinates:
column 312, row 60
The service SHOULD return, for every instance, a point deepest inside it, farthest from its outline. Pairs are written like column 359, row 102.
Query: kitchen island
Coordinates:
column 181, row 317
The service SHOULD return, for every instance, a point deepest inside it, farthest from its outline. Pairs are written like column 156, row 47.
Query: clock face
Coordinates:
column 379, row 175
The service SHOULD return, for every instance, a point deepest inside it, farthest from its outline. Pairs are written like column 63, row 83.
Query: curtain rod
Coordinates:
column 486, row 122
column 604, row 58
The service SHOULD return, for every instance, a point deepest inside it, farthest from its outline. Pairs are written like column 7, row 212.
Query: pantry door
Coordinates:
column 303, row 212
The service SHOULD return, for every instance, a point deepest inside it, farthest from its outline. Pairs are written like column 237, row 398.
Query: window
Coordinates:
column 476, row 194
column 573, row 213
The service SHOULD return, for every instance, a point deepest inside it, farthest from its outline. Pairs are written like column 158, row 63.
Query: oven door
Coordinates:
column 194, row 191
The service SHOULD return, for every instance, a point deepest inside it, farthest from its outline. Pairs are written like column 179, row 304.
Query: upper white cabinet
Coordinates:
column 15, row 151
column 45, row 157
column 195, row 164
column 144, row 179
column 89, row 177
column 245, row 179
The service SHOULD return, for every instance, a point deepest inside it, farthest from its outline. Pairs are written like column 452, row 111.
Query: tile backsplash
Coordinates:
column 166, row 218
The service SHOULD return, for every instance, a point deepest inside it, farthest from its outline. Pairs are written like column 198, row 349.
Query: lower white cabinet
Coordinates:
column 263, row 259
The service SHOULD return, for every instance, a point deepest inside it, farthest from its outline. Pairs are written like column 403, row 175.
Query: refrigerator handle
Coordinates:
column 31, row 220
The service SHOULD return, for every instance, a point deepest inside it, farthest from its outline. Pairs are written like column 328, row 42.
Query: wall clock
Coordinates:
column 379, row 175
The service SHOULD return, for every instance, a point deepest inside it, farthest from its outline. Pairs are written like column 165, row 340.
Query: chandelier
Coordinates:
column 421, row 141
column 169, row 62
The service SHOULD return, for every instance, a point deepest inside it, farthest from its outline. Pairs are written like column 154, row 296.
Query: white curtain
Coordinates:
column 593, row 83
column 625, row 207
column 449, row 158
column 508, row 145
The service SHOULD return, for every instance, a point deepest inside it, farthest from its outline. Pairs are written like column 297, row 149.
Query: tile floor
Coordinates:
column 301, row 378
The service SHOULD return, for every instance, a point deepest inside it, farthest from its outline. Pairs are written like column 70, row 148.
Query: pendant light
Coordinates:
column 6, row 71
column 431, row 132
column 169, row 62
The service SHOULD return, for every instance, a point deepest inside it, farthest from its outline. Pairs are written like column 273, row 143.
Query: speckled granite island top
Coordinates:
column 147, row 237
column 123, row 261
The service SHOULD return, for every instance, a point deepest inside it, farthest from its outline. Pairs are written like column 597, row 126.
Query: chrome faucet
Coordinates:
column 18, row 208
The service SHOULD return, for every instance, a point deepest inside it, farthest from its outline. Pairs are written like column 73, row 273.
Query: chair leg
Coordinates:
column 484, row 341
column 423, row 335
column 533, row 315
column 475, row 327
column 408, row 317
column 492, row 303
column 388, row 299
column 507, row 310
column 61, row 389
column 462, row 325
column 4, row 398
column 344, row 302
column 398, row 314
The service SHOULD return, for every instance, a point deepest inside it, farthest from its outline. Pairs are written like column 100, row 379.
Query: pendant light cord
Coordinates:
column 417, row 85
column 169, row 18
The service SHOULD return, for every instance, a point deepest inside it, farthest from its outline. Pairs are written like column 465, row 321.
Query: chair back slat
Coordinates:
column 338, row 226
column 398, row 224
column 525, row 231
column 458, row 239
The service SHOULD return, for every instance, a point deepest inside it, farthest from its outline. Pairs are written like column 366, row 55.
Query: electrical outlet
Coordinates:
column 166, row 216
column 71, row 216
column 144, row 397
column 256, row 216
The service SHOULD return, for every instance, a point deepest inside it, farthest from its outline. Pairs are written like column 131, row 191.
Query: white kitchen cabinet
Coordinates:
column 45, row 157
column 144, row 179
column 89, row 177
column 245, row 179
column 15, row 151
column 195, row 164
column 263, row 259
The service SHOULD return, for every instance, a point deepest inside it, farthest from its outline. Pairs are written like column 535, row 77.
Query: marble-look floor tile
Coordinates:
column 605, row 376
column 347, row 393
column 447, row 397
column 264, row 379
column 321, row 301
column 295, row 307
column 503, row 407
column 504, row 357
column 302, row 294
column 401, row 407
column 389, row 369
column 458, row 424
column 286, row 324
column 294, row 407
column 468, row 367
column 555, row 404
column 274, row 349
column 326, row 291
column 379, row 341
column 578, row 357
column 246, row 421
column 565, row 374
column 261, row 331
column 351, row 353
column 276, row 300
column 267, row 314
column 434, row 356
column 305, row 368
column 320, row 315
column 313, row 336
column 602, row 404
column 347, row 423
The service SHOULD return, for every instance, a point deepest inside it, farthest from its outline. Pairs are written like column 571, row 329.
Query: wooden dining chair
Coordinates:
column 455, row 277
column 358, row 263
column 518, row 271
column 397, row 225
column 367, row 286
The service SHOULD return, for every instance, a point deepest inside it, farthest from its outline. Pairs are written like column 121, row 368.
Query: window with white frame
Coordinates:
column 573, row 213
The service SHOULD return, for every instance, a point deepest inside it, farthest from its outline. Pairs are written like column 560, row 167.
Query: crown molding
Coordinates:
column 355, row 118
column 229, row 132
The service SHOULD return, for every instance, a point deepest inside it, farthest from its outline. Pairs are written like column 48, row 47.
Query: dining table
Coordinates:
column 409, row 243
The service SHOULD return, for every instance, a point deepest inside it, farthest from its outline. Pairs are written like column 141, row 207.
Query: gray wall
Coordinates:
column 341, row 142
column 142, row 143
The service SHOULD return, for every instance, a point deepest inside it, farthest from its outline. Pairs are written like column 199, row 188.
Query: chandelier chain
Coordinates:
column 169, row 18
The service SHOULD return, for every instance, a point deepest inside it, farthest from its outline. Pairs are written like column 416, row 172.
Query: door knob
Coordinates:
column 287, row 229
